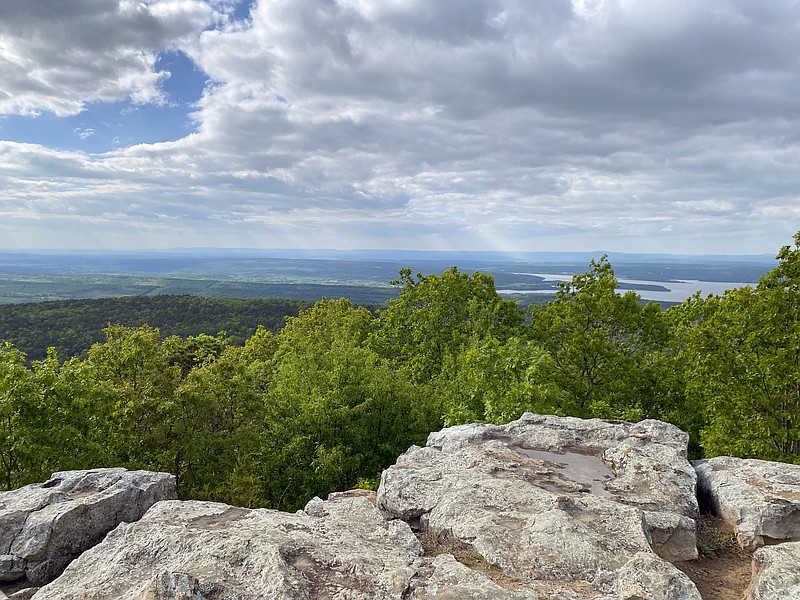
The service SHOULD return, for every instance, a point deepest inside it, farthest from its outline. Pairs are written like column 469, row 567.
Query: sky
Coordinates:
column 665, row 126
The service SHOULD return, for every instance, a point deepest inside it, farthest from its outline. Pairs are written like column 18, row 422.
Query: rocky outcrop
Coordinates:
column 543, row 507
column 759, row 499
column 776, row 573
column 564, row 507
column 45, row 526
column 341, row 548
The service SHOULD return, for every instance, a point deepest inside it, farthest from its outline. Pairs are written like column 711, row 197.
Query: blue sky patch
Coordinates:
column 242, row 9
column 104, row 126
column 186, row 81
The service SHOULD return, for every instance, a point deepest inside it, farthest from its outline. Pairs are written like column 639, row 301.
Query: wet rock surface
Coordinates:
column 759, row 499
column 45, row 526
column 572, row 508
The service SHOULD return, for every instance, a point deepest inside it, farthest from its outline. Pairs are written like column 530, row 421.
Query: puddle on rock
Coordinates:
column 585, row 469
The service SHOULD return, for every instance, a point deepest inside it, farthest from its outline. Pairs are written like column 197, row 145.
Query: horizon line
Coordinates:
column 221, row 249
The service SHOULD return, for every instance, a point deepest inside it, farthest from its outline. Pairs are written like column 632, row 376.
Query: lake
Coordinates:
column 677, row 291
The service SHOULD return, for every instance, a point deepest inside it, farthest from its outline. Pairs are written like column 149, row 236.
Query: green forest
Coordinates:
column 334, row 396
column 72, row 326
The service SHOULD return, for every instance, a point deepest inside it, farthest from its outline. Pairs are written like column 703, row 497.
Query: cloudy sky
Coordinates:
column 623, row 125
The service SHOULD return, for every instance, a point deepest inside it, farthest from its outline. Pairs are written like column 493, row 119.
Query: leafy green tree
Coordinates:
column 18, row 416
column 214, row 425
column 259, row 356
column 436, row 317
column 335, row 413
column 53, row 417
column 187, row 406
column 676, row 406
column 132, row 365
column 743, row 366
column 193, row 351
column 496, row 383
column 76, row 410
column 608, row 349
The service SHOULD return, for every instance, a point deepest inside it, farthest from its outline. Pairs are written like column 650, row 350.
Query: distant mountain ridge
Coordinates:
column 393, row 255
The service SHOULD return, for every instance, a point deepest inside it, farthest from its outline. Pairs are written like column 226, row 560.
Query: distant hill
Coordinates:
column 72, row 326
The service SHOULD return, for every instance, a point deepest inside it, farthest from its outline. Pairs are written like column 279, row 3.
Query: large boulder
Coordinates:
column 776, row 573
column 565, row 507
column 341, row 548
column 759, row 499
column 44, row 526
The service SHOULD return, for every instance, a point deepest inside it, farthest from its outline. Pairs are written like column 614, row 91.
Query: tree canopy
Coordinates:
column 330, row 399
column 743, row 362
column 604, row 346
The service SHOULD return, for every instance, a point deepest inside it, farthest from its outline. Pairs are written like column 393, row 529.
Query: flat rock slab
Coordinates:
column 342, row 548
column 44, row 526
column 565, row 507
column 759, row 499
column 776, row 573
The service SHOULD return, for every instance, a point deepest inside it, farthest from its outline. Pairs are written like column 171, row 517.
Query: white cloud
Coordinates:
column 84, row 133
column 57, row 56
column 670, row 126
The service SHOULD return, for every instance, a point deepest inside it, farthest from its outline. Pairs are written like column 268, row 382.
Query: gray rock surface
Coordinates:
column 45, row 526
column 776, row 573
column 23, row 594
column 341, row 548
column 759, row 499
column 543, row 507
column 646, row 576
column 446, row 578
column 568, row 507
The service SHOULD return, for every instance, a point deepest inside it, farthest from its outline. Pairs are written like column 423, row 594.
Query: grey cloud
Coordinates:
column 539, row 54
column 59, row 55
column 101, row 25
column 546, row 125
